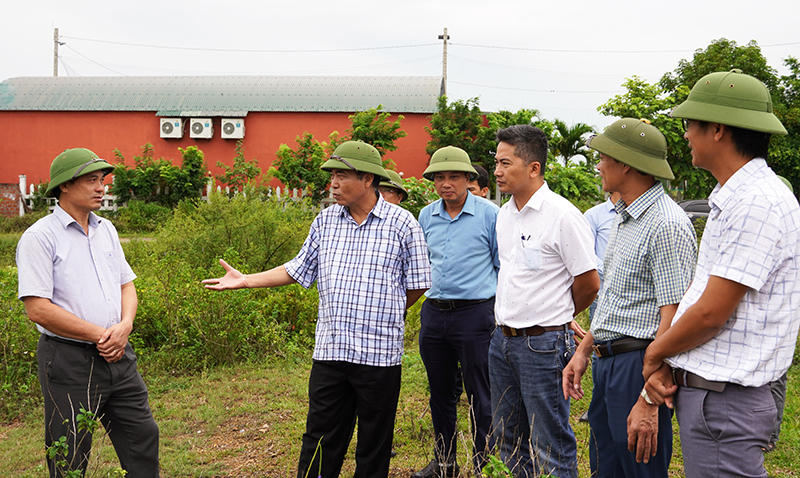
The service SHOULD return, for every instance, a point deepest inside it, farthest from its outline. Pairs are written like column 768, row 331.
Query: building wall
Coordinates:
column 29, row 140
column 9, row 200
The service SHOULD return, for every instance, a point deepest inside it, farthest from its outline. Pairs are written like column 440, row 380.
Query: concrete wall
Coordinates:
column 29, row 140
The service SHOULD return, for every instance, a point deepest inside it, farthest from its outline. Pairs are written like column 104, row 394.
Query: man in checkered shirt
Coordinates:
column 735, row 329
column 370, row 262
column 649, row 264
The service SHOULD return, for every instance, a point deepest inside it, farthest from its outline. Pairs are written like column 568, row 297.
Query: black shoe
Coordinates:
column 394, row 454
column 584, row 417
column 435, row 470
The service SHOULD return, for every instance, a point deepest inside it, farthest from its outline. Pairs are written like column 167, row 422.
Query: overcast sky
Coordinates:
column 564, row 58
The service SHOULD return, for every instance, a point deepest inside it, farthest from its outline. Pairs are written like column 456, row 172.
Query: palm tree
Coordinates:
column 569, row 141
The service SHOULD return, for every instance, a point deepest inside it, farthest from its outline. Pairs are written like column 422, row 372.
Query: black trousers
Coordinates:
column 339, row 393
column 74, row 377
column 447, row 337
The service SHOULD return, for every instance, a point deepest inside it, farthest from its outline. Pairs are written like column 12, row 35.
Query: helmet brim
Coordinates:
column 450, row 166
column 357, row 165
column 652, row 165
column 738, row 117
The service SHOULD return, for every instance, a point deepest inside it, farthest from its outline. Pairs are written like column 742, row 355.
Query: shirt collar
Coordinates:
column 468, row 208
column 721, row 195
column 642, row 203
column 65, row 219
column 610, row 206
column 536, row 201
column 379, row 210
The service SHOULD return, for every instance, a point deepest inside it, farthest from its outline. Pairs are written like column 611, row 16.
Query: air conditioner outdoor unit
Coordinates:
column 201, row 128
column 171, row 128
column 232, row 128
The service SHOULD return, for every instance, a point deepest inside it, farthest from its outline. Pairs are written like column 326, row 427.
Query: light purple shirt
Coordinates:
column 82, row 274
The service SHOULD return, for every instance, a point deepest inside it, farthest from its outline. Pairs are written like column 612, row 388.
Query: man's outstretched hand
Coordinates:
column 232, row 279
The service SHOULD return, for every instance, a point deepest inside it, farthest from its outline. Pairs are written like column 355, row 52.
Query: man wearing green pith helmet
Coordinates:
column 649, row 263
column 391, row 188
column 78, row 289
column 736, row 327
column 370, row 263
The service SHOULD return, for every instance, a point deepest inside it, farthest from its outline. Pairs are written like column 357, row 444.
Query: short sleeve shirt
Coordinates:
column 462, row 250
column 751, row 238
column 362, row 272
column 600, row 218
column 80, row 273
column 542, row 247
column 649, row 264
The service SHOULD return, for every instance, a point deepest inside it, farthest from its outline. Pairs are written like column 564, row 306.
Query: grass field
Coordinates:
column 247, row 420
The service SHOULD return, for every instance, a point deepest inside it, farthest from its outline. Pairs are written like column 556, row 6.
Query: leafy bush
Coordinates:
column 420, row 193
column 19, row 224
column 19, row 384
column 138, row 216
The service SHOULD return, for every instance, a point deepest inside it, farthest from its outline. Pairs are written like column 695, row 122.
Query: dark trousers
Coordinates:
column 617, row 383
column 338, row 394
column 447, row 337
column 72, row 377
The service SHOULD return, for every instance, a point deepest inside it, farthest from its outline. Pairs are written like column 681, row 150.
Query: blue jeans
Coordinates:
column 530, row 415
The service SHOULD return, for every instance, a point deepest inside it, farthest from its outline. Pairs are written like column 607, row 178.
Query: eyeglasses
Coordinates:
column 388, row 190
column 686, row 124
column 87, row 163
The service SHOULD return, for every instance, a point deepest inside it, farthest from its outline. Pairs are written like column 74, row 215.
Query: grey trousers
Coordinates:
column 722, row 434
column 72, row 377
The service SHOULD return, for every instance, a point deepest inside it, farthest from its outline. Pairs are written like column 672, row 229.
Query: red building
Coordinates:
column 42, row 116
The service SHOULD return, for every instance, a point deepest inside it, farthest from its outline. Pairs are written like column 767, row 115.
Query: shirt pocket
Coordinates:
column 533, row 256
column 111, row 259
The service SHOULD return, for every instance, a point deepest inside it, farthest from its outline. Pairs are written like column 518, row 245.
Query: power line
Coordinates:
column 231, row 50
column 535, row 91
column 96, row 63
column 550, row 50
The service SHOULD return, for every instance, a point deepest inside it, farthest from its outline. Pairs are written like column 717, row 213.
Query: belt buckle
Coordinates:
column 596, row 350
column 513, row 332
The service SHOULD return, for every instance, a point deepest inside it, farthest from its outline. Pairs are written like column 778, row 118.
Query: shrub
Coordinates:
column 19, row 384
column 138, row 217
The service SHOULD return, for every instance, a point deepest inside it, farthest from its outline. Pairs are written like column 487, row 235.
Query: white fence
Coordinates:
column 110, row 201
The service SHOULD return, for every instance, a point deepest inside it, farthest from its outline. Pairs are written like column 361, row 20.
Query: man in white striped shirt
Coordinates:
column 736, row 327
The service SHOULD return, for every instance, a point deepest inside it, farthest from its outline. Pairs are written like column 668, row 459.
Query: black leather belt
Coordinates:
column 532, row 331
column 455, row 304
column 688, row 379
column 82, row 345
column 619, row 346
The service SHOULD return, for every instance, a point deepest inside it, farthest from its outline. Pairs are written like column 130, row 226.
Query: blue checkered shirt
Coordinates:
column 753, row 238
column 362, row 273
column 649, row 263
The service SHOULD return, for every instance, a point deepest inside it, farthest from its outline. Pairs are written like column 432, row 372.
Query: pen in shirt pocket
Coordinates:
column 525, row 239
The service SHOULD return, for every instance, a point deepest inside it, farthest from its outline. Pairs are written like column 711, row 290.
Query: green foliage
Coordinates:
column 158, row 180
column 299, row 169
column 495, row 468
column 19, row 384
column 19, row 224
column 462, row 124
column 242, row 171
column 784, row 151
column 420, row 193
column 574, row 182
column 138, row 217
column 570, row 141
column 375, row 128
column 182, row 326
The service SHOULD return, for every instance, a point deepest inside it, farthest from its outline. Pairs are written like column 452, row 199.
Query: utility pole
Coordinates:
column 444, row 37
column 55, row 52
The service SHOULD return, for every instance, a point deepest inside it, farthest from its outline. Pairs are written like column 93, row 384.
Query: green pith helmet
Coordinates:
column 356, row 156
column 787, row 183
column 731, row 98
column 450, row 158
column 395, row 181
column 71, row 164
column 636, row 143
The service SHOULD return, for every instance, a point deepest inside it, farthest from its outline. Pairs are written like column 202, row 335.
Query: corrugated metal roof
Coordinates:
column 221, row 95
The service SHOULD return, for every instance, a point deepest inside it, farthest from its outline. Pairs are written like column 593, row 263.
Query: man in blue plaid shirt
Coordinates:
column 649, row 263
column 370, row 262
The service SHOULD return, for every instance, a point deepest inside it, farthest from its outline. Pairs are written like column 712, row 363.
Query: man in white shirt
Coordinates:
column 736, row 327
column 547, row 275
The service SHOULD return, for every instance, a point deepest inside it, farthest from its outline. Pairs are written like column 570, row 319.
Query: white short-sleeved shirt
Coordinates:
column 752, row 237
column 542, row 248
column 80, row 273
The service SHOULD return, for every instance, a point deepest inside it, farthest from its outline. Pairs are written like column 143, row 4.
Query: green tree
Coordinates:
column 158, row 180
column 242, row 171
column 462, row 124
column 420, row 193
column 300, row 168
column 570, row 141
column 374, row 127
column 784, row 151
